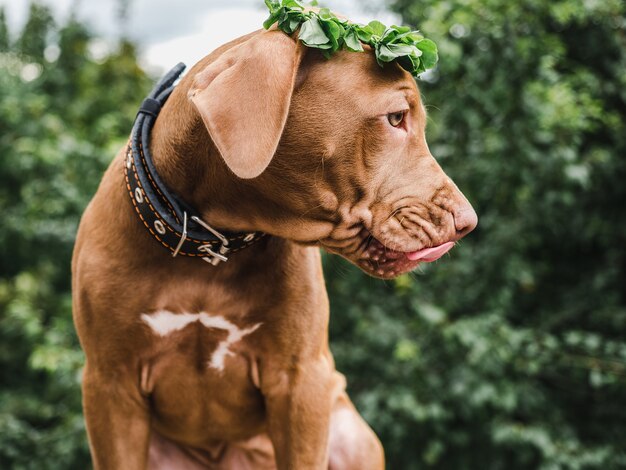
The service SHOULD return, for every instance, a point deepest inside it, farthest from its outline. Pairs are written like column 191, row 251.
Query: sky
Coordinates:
column 171, row 31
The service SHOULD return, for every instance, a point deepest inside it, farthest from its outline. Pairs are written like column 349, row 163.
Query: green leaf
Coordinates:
column 290, row 22
column 325, row 13
column 429, row 53
column 352, row 42
column 292, row 4
column 378, row 29
column 415, row 36
column 312, row 34
column 410, row 63
column 408, row 37
column 404, row 49
column 384, row 54
column 333, row 32
column 365, row 33
column 272, row 19
column 400, row 29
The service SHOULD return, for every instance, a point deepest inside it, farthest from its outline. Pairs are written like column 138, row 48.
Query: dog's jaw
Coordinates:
column 381, row 260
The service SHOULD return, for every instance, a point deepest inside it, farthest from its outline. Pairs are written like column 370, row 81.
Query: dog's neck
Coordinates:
column 190, row 165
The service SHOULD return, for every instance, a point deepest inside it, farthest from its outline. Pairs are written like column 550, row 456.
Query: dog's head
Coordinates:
column 331, row 152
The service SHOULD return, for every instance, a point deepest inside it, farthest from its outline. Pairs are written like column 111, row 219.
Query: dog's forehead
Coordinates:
column 357, row 74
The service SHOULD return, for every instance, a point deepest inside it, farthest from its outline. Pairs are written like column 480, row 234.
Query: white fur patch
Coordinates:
column 163, row 323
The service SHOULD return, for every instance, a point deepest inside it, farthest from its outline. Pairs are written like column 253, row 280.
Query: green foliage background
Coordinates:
column 510, row 353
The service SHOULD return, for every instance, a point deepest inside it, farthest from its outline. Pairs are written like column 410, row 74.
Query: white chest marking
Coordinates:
column 163, row 323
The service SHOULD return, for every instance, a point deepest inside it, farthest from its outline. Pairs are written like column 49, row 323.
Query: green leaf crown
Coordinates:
column 324, row 30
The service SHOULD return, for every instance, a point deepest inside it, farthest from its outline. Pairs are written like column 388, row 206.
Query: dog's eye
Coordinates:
column 395, row 119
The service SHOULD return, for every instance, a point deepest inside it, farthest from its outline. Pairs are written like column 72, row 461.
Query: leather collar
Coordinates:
column 172, row 222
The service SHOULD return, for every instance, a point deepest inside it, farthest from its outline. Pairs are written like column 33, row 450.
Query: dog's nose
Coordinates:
column 465, row 220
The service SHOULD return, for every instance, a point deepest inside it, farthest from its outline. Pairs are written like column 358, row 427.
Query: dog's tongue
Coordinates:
column 430, row 254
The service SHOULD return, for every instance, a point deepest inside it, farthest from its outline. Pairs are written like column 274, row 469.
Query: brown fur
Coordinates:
column 333, row 176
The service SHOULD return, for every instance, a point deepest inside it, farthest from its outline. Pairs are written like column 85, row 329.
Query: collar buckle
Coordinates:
column 183, row 236
column 213, row 257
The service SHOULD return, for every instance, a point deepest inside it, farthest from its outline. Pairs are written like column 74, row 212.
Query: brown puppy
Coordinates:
column 195, row 366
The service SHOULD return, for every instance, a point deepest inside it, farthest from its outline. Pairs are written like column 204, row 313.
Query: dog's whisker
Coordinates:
column 311, row 209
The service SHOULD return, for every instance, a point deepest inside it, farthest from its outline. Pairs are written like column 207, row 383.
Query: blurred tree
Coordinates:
column 122, row 17
column 34, row 38
column 73, row 54
column 512, row 353
column 4, row 32
column 55, row 142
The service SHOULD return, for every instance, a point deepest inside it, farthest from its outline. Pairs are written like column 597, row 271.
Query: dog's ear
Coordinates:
column 244, row 97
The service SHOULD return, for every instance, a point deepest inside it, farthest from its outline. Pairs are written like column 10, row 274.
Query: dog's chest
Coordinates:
column 200, row 371
column 215, row 338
